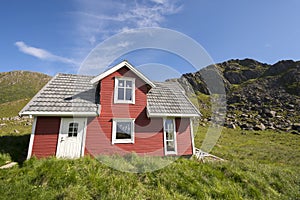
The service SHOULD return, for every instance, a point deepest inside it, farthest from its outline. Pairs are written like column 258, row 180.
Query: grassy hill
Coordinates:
column 17, row 88
column 17, row 85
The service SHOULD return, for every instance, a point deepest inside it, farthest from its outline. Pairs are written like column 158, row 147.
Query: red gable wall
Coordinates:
column 148, row 132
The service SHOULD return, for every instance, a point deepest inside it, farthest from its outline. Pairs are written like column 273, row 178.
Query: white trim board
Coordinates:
column 61, row 114
column 171, row 115
column 119, row 66
column 192, row 136
column 31, row 138
column 84, row 137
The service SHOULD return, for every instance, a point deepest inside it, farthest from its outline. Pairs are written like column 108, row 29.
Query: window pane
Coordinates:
column 123, row 130
column 129, row 84
column 121, row 94
column 169, row 126
column 128, row 94
column 121, row 83
column 73, row 130
column 170, row 146
column 170, row 135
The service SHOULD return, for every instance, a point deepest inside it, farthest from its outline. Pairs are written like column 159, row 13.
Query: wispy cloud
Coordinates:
column 99, row 20
column 42, row 54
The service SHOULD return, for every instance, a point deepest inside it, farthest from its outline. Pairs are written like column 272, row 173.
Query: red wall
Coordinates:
column 184, row 142
column 46, row 135
column 148, row 132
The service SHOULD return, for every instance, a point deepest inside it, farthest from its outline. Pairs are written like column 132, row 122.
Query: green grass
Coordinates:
column 11, row 109
column 260, row 165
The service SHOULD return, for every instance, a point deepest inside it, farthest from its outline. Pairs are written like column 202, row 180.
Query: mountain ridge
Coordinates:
column 259, row 95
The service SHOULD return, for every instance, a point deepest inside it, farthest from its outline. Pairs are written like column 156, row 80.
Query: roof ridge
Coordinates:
column 60, row 73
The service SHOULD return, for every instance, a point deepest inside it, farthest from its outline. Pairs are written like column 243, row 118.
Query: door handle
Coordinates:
column 62, row 139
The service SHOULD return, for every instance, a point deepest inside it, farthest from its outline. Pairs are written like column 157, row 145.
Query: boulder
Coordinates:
column 259, row 127
column 269, row 113
column 296, row 127
column 231, row 125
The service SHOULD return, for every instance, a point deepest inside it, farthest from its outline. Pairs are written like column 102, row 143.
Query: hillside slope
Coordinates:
column 16, row 85
column 259, row 95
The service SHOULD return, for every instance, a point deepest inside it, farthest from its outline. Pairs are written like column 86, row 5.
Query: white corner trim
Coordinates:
column 59, row 136
column 84, row 137
column 119, row 66
column 192, row 135
column 31, row 138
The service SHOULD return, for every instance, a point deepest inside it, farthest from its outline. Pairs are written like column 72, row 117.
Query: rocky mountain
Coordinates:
column 259, row 95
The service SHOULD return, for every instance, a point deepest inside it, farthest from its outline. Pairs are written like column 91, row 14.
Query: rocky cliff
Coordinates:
column 259, row 96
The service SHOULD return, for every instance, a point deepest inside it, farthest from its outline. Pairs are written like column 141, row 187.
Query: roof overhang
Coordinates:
column 119, row 66
column 172, row 115
column 63, row 114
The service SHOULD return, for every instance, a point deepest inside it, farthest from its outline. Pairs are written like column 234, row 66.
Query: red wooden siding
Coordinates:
column 184, row 141
column 46, row 135
column 148, row 132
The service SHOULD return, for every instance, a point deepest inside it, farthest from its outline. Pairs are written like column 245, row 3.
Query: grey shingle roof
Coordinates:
column 168, row 99
column 65, row 93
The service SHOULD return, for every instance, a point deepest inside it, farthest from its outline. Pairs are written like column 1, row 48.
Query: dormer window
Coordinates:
column 124, row 90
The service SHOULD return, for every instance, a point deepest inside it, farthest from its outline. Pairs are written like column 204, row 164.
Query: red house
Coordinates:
column 117, row 112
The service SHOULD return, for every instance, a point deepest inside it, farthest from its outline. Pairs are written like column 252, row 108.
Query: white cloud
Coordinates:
column 41, row 53
column 98, row 20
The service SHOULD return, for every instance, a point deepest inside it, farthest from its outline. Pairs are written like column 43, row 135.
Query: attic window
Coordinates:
column 124, row 90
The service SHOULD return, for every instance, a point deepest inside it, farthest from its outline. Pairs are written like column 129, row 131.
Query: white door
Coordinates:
column 70, row 139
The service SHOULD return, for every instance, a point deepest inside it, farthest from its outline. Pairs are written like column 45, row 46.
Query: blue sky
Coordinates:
column 56, row 36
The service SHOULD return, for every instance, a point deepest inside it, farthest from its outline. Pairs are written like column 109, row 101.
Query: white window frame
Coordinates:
column 116, row 100
column 114, row 131
column 165, row 137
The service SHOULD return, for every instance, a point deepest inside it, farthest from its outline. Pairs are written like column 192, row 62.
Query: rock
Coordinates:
column 16, row 131
column 295, row 133
column 269, row 113
column 296, row 127
column 231, row 125
column 3, row 124
column 246, row 126
column 244, row 115
column 28, row 124
column 259, row 127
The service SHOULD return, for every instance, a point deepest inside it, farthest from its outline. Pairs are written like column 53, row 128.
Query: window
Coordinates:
column 73, row 129
column 123, row 131
column 170, row 136
column 124, row 90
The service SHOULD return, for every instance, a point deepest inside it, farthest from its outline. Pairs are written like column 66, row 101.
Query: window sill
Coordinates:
column 124, row 102
column 123, row 142
column 171, row 153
